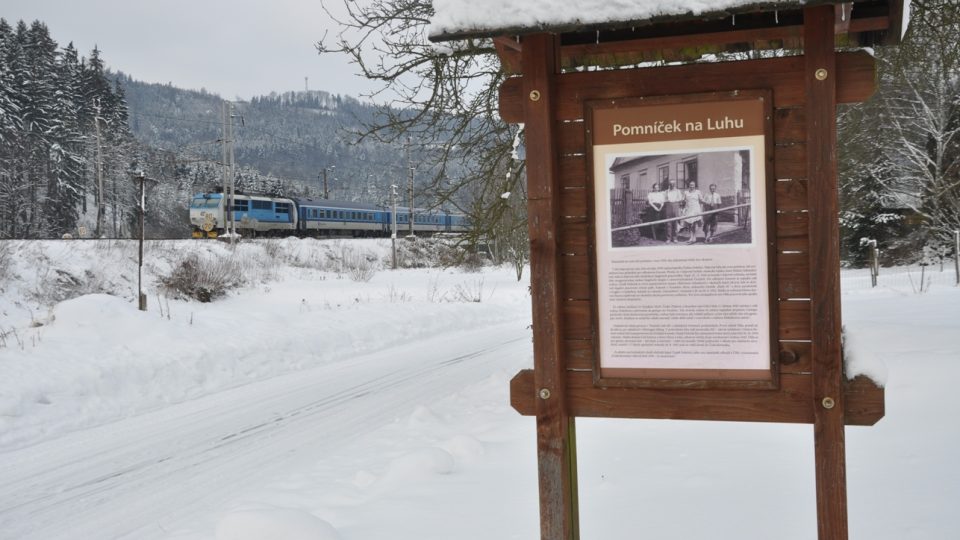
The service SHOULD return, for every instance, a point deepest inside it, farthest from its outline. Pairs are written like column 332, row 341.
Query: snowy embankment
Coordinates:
column 412, row 480
column 296, row 304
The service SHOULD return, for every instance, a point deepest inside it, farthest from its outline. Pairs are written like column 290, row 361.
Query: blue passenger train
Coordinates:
column 279, row 216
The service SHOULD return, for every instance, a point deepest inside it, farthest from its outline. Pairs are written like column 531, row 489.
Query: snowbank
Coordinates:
column 95, row 358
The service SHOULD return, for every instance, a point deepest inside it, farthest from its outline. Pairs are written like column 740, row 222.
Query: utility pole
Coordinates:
column 138, row 176
column 326, row 191
column 116, row 232
column 101, row 209
column 410, row 216
column 393, row 228
column 233, row 178
column 223, row 161
column 228, row 172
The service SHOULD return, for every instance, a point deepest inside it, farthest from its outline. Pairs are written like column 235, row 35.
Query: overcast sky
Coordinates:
column 235, row 48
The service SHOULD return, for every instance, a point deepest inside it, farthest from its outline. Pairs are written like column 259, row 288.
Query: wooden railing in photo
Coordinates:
column 625, row 207
column 681, row 218
column 806, row 85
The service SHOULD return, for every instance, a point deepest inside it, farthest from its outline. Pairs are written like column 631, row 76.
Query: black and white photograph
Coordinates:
column 683, row 198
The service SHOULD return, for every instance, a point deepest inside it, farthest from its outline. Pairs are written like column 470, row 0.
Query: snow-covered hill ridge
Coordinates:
column 75, row 351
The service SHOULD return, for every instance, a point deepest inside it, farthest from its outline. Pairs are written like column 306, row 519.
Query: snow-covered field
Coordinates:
column 306, row 405
column 95, row 358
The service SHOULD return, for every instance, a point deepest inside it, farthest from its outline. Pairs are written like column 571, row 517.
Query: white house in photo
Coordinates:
column 729, row 170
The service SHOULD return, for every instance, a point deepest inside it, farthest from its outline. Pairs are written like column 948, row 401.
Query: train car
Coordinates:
column 425, row 222
column 428, row 222
column 457, row 223
column 323, row 217
column 272, row 216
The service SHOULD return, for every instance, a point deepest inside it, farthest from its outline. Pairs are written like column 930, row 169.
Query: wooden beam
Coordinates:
column 787, row 36
column 576, row 53
column 863, row 403
column 508, row 50
column 842, row 14
column 870, row 24
column 895, row 17
column 855, row 79
column 509, row 42
column 555, row 427
column 820, row 80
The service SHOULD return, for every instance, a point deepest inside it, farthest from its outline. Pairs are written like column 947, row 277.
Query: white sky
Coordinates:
column 230, row 47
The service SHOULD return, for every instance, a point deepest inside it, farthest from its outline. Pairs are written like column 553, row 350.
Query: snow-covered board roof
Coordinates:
column 459, row 19
column 453, row 17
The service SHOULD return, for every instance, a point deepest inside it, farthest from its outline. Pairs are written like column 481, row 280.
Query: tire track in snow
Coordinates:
column 139, row 477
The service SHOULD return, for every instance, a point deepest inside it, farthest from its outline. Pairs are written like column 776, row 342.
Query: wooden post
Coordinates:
column 820, row 78
column 956, row 253
column 874, row 262
column 556, row 454
column 141, row 297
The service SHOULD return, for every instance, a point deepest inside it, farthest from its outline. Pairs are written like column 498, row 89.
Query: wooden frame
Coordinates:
column 854, row 79
column 656, row 378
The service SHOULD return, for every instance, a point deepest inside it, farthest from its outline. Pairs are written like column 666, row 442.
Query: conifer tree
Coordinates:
column 48, row 99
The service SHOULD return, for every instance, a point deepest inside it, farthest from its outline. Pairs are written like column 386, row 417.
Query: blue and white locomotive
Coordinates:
column 277, row 216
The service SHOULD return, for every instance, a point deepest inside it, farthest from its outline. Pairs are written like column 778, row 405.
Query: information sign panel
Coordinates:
column 682, row 254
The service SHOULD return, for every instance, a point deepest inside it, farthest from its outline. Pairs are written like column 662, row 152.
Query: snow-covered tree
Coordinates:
column 922, row 117
column 47, row 101
column 900, row 151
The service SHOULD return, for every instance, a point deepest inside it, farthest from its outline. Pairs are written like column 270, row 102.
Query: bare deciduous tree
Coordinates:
column 443, row 97
column 921, row 113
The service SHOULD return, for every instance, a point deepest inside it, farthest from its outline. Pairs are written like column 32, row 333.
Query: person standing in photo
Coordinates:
column 671, row 210
column 693, row 207
column 711, row 201
column 656, row 200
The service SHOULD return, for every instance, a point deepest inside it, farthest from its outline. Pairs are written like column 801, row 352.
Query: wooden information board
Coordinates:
column 617, row 260
column 566, row 260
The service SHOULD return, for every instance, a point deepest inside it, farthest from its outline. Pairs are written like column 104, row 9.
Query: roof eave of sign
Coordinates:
column 578, row 26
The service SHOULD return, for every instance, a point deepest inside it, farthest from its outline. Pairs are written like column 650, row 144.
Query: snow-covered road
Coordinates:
column 144, row 476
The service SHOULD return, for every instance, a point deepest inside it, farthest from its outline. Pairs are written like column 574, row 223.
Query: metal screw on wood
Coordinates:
column 534, row 95
column 821, row 74
column 828, row 403
column 787, row 357
column 544, row 393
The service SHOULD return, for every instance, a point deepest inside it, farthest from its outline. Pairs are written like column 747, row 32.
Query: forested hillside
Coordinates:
column 283, row 141
column 51, row 101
